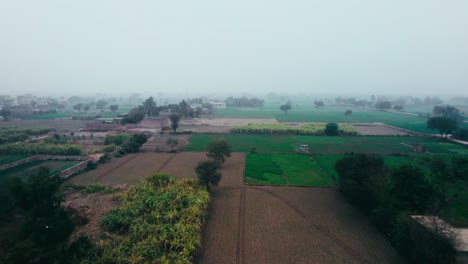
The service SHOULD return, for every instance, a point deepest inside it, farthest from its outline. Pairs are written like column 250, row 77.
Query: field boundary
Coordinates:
column 42, row 157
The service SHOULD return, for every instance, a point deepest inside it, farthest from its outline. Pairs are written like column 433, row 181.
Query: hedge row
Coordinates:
column 40, row 149
column 314, row 129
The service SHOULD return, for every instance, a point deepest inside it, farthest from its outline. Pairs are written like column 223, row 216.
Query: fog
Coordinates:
column 217, row 47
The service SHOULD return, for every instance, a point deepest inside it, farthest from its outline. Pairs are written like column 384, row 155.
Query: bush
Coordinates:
column 40, row 149
column 161, row 220
column 331, row 129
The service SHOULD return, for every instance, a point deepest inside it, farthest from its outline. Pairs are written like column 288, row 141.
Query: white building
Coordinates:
column 218, row 105
column 6, row 101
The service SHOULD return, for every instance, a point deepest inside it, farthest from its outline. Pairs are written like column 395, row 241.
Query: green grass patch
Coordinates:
column 324, row 144
column 5, row 159
column 285, row 169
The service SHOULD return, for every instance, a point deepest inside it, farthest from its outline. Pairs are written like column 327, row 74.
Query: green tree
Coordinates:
column 218, row 150
column 136, row 115
column 150, row 107
column 331, row 129
column 5, row 113
column 411, row 188
column 444, row 125
column 113, row 108
column 173, row 142
column 175, row 118
column 383, row 105
column 285, row 108
column 184, row 108
column 208, row 174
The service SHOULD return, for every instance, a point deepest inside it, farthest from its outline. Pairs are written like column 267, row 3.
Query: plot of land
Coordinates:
column 5, row 159
column 285, row 169
column 324, row 144
column 377, row 130
column 61, row 125
column 31, row 168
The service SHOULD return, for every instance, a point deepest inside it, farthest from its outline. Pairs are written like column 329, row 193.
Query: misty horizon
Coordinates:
column 57, row 48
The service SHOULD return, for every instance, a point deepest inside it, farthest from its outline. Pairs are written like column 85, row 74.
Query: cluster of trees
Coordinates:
column 217, row 150
column 286, row 107
column 445, row 119
column 44, row 232
column 319, row 104
column 129, row 143
column 40, row 149
column 389, row 197
column 14, row 134
column 243, row 102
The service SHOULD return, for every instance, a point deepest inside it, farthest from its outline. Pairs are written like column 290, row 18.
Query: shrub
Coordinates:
column 331, row 129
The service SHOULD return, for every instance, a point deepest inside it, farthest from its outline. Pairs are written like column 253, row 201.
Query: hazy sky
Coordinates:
column 328, row 46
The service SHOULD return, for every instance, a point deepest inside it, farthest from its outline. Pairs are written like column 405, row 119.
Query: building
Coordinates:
column 6, row 101
column 24, row 100
column 218, row 105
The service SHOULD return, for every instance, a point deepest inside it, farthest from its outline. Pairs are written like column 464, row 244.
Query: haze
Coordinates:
column 208, row 46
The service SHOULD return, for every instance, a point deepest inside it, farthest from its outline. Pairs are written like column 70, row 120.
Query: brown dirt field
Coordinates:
column 377, row 130
column 126, row 170
column 183, row 164
column 91, row 206
column 61, row 125
column 229, row 121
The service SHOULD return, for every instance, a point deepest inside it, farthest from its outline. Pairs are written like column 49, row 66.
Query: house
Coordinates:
column 218, row 105
column 6, row 101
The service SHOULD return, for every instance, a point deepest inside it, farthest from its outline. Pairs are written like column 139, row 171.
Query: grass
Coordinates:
column 285, row 169
column 5, row 159
column 307, row 113
column 323, row 144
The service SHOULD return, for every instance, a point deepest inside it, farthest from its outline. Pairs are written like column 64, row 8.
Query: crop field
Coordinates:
column 324, row 144
column 330, row 114
column 133, row 167
column 252, row 224
column 284, row 169
column 5, row 159
column 61, row 125
column 31, row 168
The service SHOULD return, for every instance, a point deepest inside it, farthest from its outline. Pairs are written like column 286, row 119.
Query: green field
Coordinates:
column 31, row 168
column 284, row 169
column 324, row 144
column 5, row 159
column 329, row 114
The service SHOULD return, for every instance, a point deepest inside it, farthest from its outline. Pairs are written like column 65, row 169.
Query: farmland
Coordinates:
column 5, row 159
column 30, row 168
column 323, row 144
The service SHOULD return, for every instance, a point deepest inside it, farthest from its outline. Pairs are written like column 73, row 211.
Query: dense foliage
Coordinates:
column 315, row 129
column 46, row 226
column 129, row 143
column 243, row 102
column 208, row 175
column 218, row 150
column 390, row 196
column 14, row 134
column 160, row 221
column 40, row 149
column 444, row 125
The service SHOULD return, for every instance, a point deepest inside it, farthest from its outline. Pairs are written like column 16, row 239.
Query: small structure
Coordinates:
column 303, row 148
column 419, row 148
column 218, row 105
column 103, row 124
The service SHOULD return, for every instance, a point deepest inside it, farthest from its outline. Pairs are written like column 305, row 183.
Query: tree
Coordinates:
column 443, row 124
column 172, row 142
column 218, row 150
column 5, row 113
column 150, row 107
column 285, row 108
column 331, row 129
column 101, row 103
column 113, row 108
column 448, row 111
column 208, row 174
column 135, row 115
column 78, row 107
column 348, row 112
column 134, row 143
column 383, row 105
column 411, row 188
column 319, row 104
column 398, row 107
column 175, row 118
column 362, row 180
column 184, row 108
column 86, row 108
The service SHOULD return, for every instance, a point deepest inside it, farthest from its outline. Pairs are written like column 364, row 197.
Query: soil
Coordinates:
column 91, row 208
column 369, row 129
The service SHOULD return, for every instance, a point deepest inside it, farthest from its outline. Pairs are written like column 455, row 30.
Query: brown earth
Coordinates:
column 91, row 208
column 61, row 125
column 250, row 224
column 369, row 129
